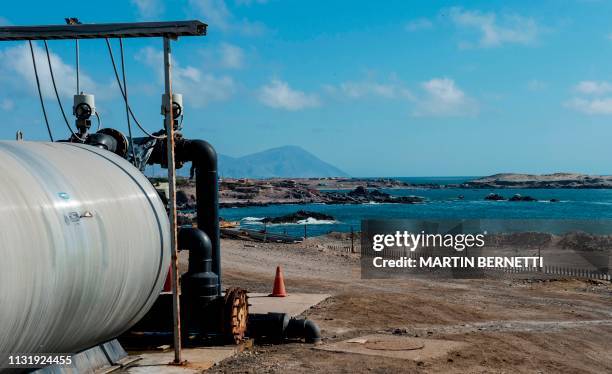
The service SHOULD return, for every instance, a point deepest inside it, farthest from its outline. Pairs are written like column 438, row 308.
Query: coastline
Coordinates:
column 241, row 193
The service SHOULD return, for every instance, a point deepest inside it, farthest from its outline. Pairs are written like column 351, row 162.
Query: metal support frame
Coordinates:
column 168, row 31
column 169, row 123
column 104, row 30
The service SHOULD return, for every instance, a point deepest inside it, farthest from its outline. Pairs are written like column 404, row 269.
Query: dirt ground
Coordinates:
column 510, row 326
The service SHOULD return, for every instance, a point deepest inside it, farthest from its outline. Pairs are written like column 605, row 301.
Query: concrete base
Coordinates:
column 395, row 346
column 103, row 358
column 197, row 360
column 294, row 304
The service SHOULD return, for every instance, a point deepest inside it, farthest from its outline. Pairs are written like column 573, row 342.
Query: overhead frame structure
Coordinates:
column 167, row 31
column 172, row 29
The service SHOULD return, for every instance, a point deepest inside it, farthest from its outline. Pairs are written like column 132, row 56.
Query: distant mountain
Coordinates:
column 285, row 162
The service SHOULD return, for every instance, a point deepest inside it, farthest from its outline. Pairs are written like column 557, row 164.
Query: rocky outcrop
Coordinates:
column 250, row 192
column 300, row 215
column 519, row 197
column 556, row 180
column 362, row 195
column 515, row 197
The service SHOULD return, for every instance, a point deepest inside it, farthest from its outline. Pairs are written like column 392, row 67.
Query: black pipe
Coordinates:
column 204, row 159
column 303, row 328
column 200, row 282
column 276, row 327
column 269, row 327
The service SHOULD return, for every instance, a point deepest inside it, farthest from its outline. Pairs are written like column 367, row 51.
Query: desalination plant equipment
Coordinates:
column 85, row 239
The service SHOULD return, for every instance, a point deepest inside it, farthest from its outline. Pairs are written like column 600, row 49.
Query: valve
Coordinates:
column 84, row 107
column 177, row 109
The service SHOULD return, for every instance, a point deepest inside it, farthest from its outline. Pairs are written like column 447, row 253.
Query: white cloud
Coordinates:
column 17, row 73
column 217, row 15
column 7, row 105
column 536, row 85
column 278, row 94
column 250, row 2
column 419, row 24
column 494, row 30
column 591, row 106
column 593, row 87
column 148, row 9
column 368, row 88
column 594, row 100
column 198, row 89
column 232, row 57
column 361, row 89
column 442, row 98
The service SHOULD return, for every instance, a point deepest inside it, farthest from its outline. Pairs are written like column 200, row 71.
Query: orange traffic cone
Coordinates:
column 279, row 284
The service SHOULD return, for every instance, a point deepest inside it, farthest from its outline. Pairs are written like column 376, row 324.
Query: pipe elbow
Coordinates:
column 312, row 332
column 199, row 246
column 202, row 154
column 304, row 328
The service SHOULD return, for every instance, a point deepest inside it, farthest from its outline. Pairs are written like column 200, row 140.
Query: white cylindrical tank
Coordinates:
column 84, row 246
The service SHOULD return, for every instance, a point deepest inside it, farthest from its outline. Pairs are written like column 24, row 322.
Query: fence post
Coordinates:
column 352, row 240
column 305, row 236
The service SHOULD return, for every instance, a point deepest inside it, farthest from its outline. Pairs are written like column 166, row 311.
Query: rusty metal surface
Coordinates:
column 84, row 246
column 169, row 124
column 235, row 314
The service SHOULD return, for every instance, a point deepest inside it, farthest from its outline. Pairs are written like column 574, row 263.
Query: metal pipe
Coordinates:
column 304, row 328
column 200, row 282
column 169, row 123
column 204, row 159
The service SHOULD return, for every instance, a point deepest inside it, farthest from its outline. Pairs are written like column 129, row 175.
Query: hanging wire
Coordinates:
column 59, row 102
column 42, row 103
column 110, row 52
column 99, row 121
column 127, row 106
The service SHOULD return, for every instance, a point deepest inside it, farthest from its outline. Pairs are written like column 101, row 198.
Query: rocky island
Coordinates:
column 556, row 180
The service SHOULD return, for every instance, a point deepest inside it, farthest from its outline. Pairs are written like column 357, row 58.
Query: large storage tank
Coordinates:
column 84, row 246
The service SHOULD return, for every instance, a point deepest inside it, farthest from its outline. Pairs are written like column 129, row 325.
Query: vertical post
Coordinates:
column 169, row 123
column 304, row 231
column 77, row 67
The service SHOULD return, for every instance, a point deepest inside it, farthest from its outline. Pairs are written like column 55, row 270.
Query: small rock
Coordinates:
column 519, row 197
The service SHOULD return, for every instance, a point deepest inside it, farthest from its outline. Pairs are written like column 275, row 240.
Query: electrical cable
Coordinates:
column 110, row 52
column 42, row 103
column 59, row 101
column 99, row 121
column 127, row 106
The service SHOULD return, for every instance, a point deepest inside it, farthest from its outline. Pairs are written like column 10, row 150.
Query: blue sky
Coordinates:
column 392, row 88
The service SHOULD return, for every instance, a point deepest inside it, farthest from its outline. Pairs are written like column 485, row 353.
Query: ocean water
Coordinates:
column 439, row 203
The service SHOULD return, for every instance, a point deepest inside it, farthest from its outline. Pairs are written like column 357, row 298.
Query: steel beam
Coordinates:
column 171, row 29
